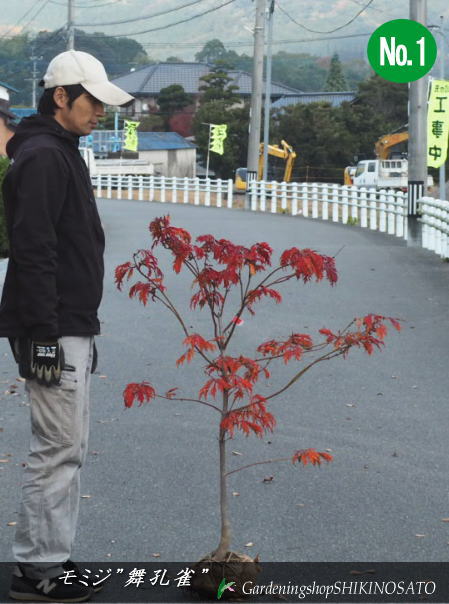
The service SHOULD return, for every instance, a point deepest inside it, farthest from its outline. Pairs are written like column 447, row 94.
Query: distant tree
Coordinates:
column 335, row 78
column 217, row 86
column 387, row 98
column 301, row 71
column 212, row 51
column 172, row 99
column 117, row 54
column 236, row 143
column 173, row 59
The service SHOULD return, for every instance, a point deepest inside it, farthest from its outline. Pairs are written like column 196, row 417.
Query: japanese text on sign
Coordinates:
column 438, row 123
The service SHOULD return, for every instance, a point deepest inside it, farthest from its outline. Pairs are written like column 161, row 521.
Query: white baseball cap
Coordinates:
column 78, row 67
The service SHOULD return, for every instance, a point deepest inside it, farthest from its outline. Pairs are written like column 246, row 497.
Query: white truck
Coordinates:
column 383, row 174
column 115, row 167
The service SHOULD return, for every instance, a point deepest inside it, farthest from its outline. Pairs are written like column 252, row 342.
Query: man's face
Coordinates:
column 82, row 117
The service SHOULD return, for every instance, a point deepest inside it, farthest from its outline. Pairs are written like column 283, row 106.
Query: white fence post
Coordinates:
column 186, row 190
column 99, row 188
column 274, row 203
column 109, row 186
column 305, row 199
column 163, row 182
column 363, row 208
column 263, row 195
column 253, row 194
column 373, row 210
column 325, row 202
column 140, row 186
column 382, row 211
column 401, row 216
column 174, row 189
column 197, row 192
column 219, row 193
column 230, row 193
column 294, row 208
column 151, row 186
column 354, row 205
column 207, row 192
column 335, row 208
column 344, row 204
column 314, row 200
column 283, row 195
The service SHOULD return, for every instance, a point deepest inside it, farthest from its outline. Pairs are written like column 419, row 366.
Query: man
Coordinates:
column 52, row 291
column 7, row 129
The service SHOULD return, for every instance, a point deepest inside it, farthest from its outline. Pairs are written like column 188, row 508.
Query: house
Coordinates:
column 334, row 98
column 169, row 152
column 146, row 83
column 4, row 91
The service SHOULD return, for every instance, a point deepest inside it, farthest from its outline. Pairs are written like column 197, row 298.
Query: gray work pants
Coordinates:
column 51, row 491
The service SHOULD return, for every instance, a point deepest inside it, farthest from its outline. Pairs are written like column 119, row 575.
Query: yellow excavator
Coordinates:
column 385, row 144
column 283, row 151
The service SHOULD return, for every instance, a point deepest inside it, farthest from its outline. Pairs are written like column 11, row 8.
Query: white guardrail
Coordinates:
column 384, row 210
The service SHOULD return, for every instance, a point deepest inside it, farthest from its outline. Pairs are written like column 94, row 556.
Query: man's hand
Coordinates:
column 47, row 362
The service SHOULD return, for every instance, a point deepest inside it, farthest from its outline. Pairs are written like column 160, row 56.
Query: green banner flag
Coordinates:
column 438, row 123
column 131, row 140
column 218, row 133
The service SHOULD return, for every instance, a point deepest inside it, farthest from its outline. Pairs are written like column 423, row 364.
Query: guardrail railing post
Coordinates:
column 314, row 200
column 305, row 199
column 274, row 201
column 354, row 204
column 253, row 194
column 99, row 187
column 230, row 193
column 196, row 200
column 325, row 201
column 162, row 184
column 219, row 192
column 344, row 204
column 284, row 196
column 401, row 215
column 109, row 186
column 207, row 194
column 186, row 190
column 335, row 200
column 382, row 211
column 294, row 207
column 373, row 211
column 363, row 208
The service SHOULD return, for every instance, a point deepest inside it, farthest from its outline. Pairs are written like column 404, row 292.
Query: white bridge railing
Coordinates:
column 384, row 211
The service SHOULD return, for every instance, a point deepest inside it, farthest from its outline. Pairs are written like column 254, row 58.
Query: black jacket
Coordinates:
column 54, row 280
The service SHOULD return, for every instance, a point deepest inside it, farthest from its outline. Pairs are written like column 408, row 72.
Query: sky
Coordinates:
column 232, row 23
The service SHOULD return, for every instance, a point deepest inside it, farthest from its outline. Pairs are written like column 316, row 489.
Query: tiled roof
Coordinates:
column 334, row 98
column 149, row 141
column 150, row 79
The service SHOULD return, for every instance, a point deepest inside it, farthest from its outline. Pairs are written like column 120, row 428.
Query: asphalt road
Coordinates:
column 151, row 474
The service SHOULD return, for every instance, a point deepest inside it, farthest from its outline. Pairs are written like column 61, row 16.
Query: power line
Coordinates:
column 36, row 14
column 247, row 44
column 21, row 19
column 141, row 18
column 316, row 31
column 86, row 5
column 146, row 31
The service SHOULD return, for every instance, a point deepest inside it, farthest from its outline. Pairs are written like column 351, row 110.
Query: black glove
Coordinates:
column 46, row 362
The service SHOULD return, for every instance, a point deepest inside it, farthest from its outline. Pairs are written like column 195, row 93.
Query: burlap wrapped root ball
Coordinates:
column 236, row 567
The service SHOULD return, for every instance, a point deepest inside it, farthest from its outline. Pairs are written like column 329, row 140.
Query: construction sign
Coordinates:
column 438, row 123
column 131, row 140
column 218, row 133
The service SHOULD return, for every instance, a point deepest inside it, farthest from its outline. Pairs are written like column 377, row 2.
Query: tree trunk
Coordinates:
column 225, row 535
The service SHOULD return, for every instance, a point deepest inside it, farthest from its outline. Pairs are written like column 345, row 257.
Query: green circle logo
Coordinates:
column 402, row 50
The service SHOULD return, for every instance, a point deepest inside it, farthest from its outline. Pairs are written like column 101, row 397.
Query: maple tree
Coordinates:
column 218, row 266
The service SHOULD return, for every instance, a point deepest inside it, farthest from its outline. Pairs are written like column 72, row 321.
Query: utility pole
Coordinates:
column 266, row 128
column 256, row 94
column 417, row 144
column 70, row 26
column 35, row 78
